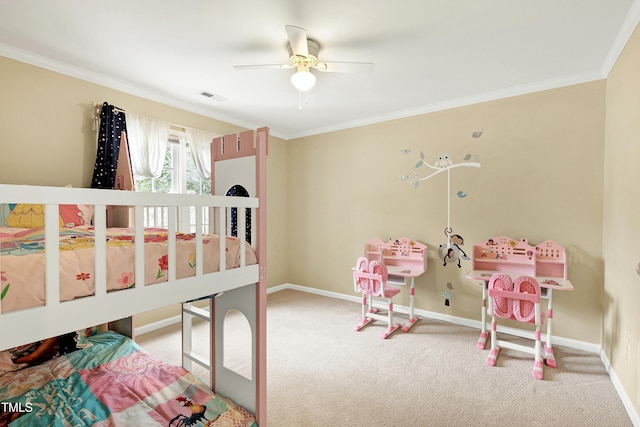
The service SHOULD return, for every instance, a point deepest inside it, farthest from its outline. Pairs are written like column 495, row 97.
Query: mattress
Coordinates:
column 22, row 261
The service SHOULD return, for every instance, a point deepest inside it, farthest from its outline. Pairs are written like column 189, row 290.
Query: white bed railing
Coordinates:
column 55, row 317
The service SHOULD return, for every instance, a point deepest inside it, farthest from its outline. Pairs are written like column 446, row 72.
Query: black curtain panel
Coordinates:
column 112, row 123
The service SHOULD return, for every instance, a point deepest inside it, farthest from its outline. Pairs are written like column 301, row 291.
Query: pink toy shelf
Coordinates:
column 551, row 260
column 504, row 254
column 405, row 260
column 403, row 257
column 374, row 249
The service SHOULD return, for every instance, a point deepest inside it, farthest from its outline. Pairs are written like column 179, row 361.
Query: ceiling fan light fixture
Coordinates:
column 303, row 55
column 303, row 80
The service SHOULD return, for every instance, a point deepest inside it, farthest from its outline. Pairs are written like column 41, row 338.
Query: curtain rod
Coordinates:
column 98, row 108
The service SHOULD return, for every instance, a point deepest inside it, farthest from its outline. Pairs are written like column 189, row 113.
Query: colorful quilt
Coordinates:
column 22, row 261
column 112, row 383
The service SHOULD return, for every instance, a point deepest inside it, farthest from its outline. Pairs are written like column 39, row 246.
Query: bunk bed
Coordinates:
column 109, row 380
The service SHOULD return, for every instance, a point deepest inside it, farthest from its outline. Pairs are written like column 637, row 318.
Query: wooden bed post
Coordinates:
column 262, row 140
column 250, row 143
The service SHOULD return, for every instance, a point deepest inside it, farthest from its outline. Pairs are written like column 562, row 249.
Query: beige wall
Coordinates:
column 541, row 178
column 52, row 114
column 47, row 138
column 621, row 296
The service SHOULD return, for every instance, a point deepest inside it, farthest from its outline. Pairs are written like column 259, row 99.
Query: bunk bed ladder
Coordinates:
column 191, row 312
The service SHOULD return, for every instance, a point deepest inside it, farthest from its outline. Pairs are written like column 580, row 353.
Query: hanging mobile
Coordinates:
column 449, row 252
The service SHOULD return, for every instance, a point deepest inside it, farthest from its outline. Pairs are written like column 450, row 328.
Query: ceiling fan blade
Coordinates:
column 345, row 67
column 297, row 40
column 262, row 66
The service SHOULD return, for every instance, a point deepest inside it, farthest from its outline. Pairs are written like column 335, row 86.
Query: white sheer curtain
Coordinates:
column 147, row 145
column 200, row 146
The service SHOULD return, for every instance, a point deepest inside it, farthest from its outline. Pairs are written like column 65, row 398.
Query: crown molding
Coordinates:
column 463, row 101
column 622, row 38
column 107, row 81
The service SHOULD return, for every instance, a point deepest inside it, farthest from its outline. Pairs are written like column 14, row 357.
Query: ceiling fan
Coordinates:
column 303, row 55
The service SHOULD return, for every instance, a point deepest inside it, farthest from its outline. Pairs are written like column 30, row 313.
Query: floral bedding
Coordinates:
column 113, row 382
column 22, row 261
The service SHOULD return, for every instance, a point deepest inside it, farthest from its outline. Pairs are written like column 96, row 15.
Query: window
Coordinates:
column 240, row 191
column 179, row 175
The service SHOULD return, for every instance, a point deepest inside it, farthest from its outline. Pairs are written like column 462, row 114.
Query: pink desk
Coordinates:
column 404, row 259
column 546, row 262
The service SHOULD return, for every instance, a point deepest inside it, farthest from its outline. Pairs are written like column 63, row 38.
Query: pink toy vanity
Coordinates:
column 405, row 260
column 547, row 262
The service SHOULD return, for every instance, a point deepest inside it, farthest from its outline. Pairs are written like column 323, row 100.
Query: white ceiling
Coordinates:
column 428, row 54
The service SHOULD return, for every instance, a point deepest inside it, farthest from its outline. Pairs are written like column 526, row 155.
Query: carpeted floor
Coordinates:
column 322, row 373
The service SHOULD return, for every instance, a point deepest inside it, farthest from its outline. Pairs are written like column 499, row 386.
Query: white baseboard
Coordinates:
column 149, row 327
column 462, row 321
column 626, row 401
column 566, row 342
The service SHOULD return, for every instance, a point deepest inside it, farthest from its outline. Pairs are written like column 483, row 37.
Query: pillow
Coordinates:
column 75, row 215
column 87, row 213
column 26, row 215
column 71, row 216
column 23, row 215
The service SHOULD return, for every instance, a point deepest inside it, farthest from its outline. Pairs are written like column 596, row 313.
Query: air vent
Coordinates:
column 213, row 96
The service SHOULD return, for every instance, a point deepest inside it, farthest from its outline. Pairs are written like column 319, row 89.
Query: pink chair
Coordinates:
column 370, row 280
column 518, row 300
